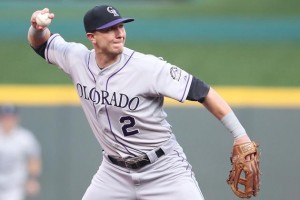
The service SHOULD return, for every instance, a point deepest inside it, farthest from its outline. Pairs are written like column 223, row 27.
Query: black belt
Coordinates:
column 134, row 162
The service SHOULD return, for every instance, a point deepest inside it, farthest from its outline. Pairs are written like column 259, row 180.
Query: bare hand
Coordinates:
column 32, row 187
column 33, row 18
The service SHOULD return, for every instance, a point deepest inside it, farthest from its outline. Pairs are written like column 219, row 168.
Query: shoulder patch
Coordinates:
column 175, row 73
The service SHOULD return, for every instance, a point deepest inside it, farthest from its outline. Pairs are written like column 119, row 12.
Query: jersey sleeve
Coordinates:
column 171, row 81
column 62, row 53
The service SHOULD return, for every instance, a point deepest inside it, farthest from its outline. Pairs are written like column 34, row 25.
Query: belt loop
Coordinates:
column 152, row 156
column 166, row 147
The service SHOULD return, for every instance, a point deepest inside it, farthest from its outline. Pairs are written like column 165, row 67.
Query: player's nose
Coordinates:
column 120, row 31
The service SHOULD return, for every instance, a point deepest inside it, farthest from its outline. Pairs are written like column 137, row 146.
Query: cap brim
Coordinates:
column 115, row 22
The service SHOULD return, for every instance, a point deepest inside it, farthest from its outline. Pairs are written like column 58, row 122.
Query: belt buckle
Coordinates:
column 132, row 163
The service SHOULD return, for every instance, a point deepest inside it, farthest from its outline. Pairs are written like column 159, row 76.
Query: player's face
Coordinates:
column 111, row 40
column 9, row 121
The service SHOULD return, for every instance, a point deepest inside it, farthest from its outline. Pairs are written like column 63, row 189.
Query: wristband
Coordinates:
column 37, row 33
column 231, row 122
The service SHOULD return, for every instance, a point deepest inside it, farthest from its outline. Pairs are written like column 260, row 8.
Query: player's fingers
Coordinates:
column 33, row 18
column 51, row 15
column 45, row 10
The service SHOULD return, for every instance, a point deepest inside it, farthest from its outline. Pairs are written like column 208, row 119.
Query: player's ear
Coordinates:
column 91, row 37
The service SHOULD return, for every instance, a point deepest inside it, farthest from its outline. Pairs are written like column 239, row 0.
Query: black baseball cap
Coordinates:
column 102, row 17
column 8, row 109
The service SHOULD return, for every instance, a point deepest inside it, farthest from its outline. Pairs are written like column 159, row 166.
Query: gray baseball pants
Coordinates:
column 169, row 178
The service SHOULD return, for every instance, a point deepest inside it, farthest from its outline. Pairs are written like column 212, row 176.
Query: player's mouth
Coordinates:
column 120, row 43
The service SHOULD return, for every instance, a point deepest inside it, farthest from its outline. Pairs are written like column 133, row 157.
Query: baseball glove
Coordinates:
column 244, row 177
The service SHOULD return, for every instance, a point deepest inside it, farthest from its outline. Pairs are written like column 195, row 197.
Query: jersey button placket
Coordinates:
column 100, row 81
column 99, row 88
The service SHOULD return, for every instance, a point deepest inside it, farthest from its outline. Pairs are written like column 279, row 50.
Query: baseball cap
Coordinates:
column 8, row 109
column 102, row 17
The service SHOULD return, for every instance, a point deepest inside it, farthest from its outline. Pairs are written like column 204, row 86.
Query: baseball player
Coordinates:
column 122, row 93
column 20, row 162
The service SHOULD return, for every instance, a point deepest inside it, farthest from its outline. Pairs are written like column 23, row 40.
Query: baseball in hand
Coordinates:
column 43, row 19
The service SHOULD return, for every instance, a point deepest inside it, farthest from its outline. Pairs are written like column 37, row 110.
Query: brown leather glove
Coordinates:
column 244, row 177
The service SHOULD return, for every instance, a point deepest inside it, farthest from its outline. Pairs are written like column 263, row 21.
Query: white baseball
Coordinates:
column 43, row 19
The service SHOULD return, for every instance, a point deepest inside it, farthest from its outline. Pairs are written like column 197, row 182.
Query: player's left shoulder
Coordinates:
column 145, row 59
column 136, row 54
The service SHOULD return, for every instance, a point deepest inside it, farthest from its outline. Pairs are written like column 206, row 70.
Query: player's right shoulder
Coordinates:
column 58, row 43
column 57, row 39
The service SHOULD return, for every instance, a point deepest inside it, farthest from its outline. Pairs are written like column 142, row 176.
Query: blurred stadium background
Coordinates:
column 228, row 43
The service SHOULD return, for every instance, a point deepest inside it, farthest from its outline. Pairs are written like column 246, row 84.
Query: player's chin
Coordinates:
column 117, row 49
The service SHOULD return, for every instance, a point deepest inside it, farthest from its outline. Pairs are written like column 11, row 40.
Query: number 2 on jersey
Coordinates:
column 128, row 122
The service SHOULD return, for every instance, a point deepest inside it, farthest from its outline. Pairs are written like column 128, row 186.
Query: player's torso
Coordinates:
column 13, row 160
column 124, row 113
column 123, row 103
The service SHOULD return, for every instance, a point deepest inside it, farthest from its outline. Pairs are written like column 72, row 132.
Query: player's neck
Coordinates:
column 104, row 61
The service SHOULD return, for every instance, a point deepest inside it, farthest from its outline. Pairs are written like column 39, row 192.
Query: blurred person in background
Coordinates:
column 20, row 157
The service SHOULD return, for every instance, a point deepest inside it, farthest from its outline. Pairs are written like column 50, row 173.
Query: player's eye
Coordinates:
column 106, row 30
column 113, row 28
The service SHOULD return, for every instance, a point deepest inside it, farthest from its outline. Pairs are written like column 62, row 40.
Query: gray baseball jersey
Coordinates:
column 123, row 103
column 15, row 149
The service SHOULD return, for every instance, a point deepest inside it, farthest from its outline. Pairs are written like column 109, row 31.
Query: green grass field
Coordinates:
column 255, row 63
column 217, row 63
